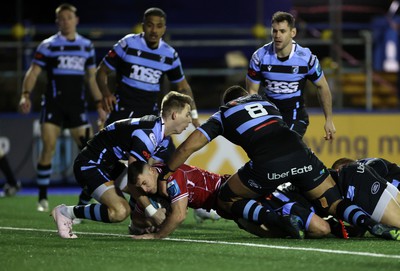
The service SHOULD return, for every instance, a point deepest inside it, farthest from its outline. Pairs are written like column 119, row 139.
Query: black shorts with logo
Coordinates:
column 302, row 168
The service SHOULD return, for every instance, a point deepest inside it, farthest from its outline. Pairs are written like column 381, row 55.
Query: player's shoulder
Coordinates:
column 266, row 49
column 83, row 40
column 149, row 121
column 167, row 49
column 52, row 39
column 130, row 40
column 302, row 52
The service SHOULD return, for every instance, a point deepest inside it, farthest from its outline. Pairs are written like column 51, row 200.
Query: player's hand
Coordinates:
column 159, row 216
column 330, row 131
column 25, row 105
column 196, row 123
column 109, row 102
column 102, row 117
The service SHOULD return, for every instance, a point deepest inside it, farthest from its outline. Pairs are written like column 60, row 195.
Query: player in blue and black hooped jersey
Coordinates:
column 277, row 155
column 282, row 68
column 140, row 61
column 98, row 165
column 388, row 170
column 68, row 59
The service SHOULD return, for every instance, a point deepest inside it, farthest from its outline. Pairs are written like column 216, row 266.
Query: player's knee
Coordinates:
column 119, row 213
column 318, row 227
column 322, row 229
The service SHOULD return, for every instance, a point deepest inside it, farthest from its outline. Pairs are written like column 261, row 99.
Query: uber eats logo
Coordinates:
column 71, row 63
column 291, row 172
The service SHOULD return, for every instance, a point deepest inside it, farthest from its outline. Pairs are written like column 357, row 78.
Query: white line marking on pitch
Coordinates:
column 226, row 243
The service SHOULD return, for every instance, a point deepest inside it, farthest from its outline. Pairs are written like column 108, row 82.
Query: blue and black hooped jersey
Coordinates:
column 65, row 62
column 283, row 82
column 139, row 71
column 388, row 170
column 137, row 137
column 255, row 124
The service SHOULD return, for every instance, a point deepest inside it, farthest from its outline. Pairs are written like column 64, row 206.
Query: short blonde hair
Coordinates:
column 174, row 101
column 65, row 6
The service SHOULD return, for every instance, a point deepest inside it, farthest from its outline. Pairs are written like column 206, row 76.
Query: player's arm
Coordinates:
column 184, row 87
column 251, row 86
column 27, row 87
column 172, row 222
column 109, row 99
column 325, row 97
column 96, row 94
column 193, row 143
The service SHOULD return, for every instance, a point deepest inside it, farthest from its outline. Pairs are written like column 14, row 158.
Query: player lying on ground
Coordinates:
column 187, row 187
column 193, row 187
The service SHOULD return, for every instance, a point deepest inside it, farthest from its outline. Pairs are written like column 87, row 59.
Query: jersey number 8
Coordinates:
column 256, row 110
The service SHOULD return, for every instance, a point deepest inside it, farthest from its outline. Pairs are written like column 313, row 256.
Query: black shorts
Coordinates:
column 64, row 115
column 302, row 168
column 365, row 189
column 297, row 120
column 90, row 176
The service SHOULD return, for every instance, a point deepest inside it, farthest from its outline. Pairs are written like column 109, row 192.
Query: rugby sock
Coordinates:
column 354, row 215
column 252, row 211
column 84, row 198
column 96, row 212
column 5, row 167
column 43, row 179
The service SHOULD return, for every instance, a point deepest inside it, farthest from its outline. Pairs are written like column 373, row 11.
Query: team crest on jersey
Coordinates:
column 300, row 53
column 375, row 188
column 295, row 69
column 162, row 59
column 153, row 139
column 173, row 189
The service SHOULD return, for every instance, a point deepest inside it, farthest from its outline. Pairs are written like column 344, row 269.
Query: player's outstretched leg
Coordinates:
column 64, row 223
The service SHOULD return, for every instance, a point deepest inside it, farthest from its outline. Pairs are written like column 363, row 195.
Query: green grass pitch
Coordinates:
column 28, row 241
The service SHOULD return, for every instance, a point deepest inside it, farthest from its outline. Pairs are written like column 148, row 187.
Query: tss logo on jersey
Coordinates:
column 71, row 63
column 147, row 75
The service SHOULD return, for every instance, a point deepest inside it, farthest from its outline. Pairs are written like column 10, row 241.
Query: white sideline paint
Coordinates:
column 331, row 251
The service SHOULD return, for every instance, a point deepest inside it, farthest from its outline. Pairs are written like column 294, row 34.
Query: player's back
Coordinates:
column 255, row 124
column 200, row 185
column 137, row 136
